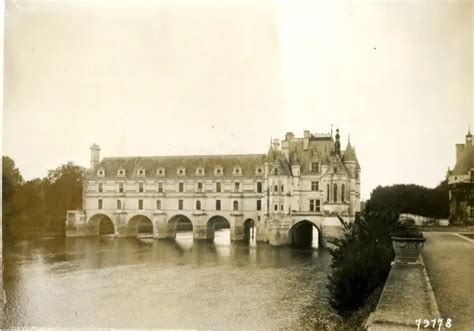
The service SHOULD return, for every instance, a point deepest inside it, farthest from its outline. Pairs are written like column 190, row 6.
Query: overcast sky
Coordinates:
column 204, row 77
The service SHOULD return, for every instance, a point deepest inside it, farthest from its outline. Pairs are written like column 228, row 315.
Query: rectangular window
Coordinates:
column 218, row 204
column 158, row 204
column 140, row 204
column 275, row 188
column 199, row 187
column 236, row 187
column 100, row 203
column 314, row 186
column 100, row 187
column 335, row 170
column 181, row 187
column 119, row 204
column 282, row 188
column 314, row 167
column 160, row 187
column 315, row 205
column 276, row 208
column 259, row 187
column 259, row 204
column 121, row 187
column 180, row 204
column 281, row 207
column 140, row 187
column 218, row 187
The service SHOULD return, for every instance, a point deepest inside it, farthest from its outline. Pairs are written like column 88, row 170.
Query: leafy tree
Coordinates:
column 39, row 203
column 11, row 181
column 63, row 191
column 361, row 259
column 413, row 199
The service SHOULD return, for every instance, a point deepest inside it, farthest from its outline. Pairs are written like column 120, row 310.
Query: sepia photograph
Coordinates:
column 237, row 165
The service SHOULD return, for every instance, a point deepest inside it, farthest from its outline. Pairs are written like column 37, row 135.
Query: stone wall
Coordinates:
column 406, row 297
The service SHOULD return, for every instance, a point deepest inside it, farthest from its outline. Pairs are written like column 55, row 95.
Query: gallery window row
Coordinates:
column 199, row 187
column 198, row 204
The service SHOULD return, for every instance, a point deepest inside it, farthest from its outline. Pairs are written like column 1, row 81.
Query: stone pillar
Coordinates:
column 201, row 230
column 161, row 229
column 121, row 224
column 261, row 229
column 237, row 227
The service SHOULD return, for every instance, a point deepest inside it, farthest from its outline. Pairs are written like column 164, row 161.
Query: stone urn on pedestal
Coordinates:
column 407, row 242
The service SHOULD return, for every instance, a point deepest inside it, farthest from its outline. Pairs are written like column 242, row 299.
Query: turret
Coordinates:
column 95, row 156
column 469, row 138
column 337, row 144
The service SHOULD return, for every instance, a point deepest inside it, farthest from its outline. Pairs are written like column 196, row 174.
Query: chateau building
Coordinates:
column 303, row 182
column 461, row 184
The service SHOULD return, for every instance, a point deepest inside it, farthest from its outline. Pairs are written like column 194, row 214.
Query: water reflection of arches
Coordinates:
column 219, row 223
column 180, row 223
column 100, row 224
column 139, row 224
column 305, row 234
column 249, row 229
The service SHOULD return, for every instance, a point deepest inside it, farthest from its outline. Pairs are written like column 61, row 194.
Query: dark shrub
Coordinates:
column 361, row 259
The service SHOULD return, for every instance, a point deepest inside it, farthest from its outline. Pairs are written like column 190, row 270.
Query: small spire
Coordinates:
column 331, row 130
column 348, row 138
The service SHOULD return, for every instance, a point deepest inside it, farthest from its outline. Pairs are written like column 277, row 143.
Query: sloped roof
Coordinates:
column 350, row 154
column 320, row 149
column 465, row 162
column 248, row 162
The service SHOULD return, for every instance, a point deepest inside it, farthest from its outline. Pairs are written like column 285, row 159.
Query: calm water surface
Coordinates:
column 146, row 283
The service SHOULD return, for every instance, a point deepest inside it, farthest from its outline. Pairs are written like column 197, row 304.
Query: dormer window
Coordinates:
column 121, row 172
column 101, row 172
column 200, row 171
column 141, row 172
column 314, row 167
column 218, row 171
column 181, row 171
column 275, row 171
column 335, row 170
column 237, row 171
column 160, row 172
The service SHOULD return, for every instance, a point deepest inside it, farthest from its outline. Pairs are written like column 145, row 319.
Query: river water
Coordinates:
column 146, row 283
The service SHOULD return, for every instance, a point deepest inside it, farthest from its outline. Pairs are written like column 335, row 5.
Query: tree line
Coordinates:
column 38, row 207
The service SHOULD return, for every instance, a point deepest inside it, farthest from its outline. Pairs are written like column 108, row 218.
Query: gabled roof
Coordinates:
column 248, row 162
column 465, row 162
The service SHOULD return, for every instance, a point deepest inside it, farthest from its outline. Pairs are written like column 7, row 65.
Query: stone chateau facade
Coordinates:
column 461, row 184
column 300, row 183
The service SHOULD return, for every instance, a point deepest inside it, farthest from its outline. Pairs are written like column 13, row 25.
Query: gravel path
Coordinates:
column 449, row 261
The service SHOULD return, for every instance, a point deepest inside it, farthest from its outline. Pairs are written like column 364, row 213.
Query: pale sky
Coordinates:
column 206, row 77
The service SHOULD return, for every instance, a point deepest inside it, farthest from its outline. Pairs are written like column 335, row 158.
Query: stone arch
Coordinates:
column 216, row 222
column 100, row 224
column 301, row 233
column 139, row 223
column 249, row 229
column 178, row 223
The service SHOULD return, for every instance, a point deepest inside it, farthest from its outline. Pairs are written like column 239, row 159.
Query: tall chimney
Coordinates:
column 306, row 136
column 95, row 156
